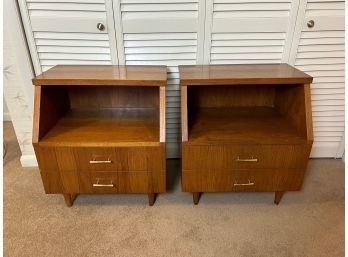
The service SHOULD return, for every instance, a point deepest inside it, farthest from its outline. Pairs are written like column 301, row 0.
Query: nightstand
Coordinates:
column 101, row 129
column 245, row 128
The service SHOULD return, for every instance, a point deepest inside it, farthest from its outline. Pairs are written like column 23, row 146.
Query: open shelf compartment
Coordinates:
column 99, row 115
column 247, row 114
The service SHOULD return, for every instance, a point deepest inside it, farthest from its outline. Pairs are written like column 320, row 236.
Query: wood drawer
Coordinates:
column 103, row 182
column 98, row 182
column 122, row 182
column 101, row 158
column 228, row 157
column 242, row 180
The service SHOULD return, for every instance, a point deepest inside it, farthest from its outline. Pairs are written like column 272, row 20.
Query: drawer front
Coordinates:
column 120, row 158
column 242, row 180
column 101, row 158
column 98, row 182
column 142, row 182
column 228, row 157
column 96, row 159
column 121, row 182
column 56, row 182
column 51, row 182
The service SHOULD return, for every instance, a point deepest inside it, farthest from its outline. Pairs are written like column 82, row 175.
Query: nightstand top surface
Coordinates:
column 236, row 74
column 103, row 75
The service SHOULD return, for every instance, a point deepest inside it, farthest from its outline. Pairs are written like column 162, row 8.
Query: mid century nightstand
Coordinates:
column 245, row 128
column 101, row 129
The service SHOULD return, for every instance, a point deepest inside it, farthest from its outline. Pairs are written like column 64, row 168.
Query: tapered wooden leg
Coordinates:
column 69, row 199
column 278, row 196
column 196, row 196
column 152, row 198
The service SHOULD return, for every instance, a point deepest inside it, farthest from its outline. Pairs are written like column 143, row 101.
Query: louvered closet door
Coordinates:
column 65, row 32
column 319, row 51
column 249, row 31
column 162, row 32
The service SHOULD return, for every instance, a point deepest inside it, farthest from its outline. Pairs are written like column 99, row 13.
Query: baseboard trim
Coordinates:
column 29, row 160
column 7, row 116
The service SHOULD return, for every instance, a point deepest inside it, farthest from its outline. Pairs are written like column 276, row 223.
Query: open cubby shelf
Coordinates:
column 241, row 125
column 107, row 127
column 101, row 116
column 246, row 114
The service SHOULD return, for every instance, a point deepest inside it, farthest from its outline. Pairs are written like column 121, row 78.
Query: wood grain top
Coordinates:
column 103, row 75
column 236, row 74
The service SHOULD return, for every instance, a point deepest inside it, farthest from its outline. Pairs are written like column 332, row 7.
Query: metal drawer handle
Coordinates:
column 244, row 184
column 252, row 159
column 103, row 185
column 96, row 162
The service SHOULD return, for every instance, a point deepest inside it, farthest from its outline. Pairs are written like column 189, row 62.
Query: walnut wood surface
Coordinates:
column 260, row 113
column 237, row 74
column 294, row 103
column 270, row 180
column 88, row 113
column 123, row 182
column 103, row 75
column 105, row 127
column 278, row 196
column 225, row 96
column 241, row 125
column 229, row 157
column 184, row 114
column 49, row 106
column 162, row 107
column 113, row 97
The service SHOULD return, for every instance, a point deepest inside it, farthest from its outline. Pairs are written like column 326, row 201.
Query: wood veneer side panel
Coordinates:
column 290, row 102
column 162, row 113
column 184, row 114
column 36, row 118
column 308, row 106
column 51, row 104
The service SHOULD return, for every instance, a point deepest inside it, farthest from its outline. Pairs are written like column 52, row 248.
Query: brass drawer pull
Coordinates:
column 244, row 184
column 98, row 162
column 252, row 159
column 103, row 185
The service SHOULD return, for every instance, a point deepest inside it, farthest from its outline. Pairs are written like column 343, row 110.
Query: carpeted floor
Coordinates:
column 306, row 223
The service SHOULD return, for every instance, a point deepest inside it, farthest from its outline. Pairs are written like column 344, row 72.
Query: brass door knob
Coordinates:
column 310, row 24
column 100, row 26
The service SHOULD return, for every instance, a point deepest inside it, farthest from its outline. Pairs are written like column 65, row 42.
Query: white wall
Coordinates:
column 17, row 83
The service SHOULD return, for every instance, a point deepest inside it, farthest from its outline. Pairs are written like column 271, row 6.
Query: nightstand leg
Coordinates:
column 196, row 196
column 69, row 199
column 152, row 198
column 278, row 196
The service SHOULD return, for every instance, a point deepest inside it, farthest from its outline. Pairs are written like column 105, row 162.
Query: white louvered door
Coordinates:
column 179, row 32
column 162, row 32
column 249, row 31
column 319, row 51
column 65, row 32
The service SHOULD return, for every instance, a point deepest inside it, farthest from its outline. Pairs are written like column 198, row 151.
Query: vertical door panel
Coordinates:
column 162, row 33
column 319, row 51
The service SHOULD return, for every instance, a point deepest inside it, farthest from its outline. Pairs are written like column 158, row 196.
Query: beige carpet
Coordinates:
column 306, row 223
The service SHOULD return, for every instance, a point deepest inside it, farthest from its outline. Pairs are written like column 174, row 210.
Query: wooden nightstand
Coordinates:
column 101, row 129
column 244, row 128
